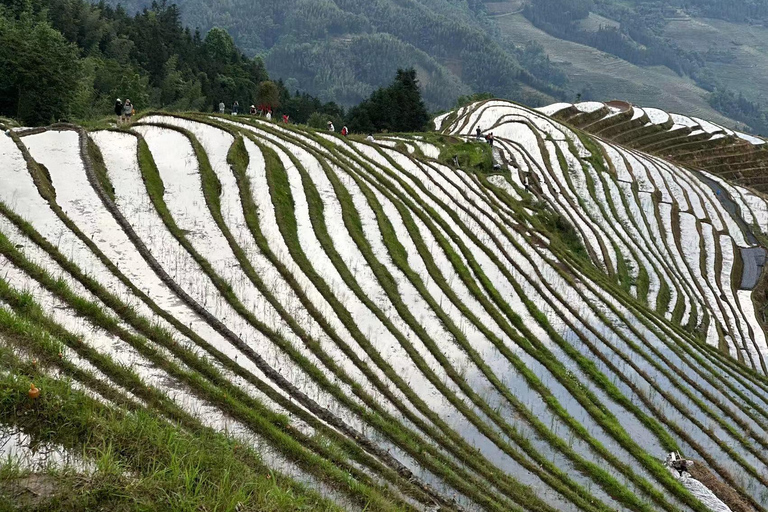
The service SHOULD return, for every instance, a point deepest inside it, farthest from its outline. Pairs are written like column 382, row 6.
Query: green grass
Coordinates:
column 320, row 229
column 513, row 236
column 473, row 156
column 385, row 279
column 142, row 461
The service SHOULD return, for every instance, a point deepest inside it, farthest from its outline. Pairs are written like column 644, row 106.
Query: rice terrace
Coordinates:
column 225, row 313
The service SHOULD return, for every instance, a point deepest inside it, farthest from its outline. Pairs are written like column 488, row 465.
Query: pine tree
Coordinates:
column 397, row 108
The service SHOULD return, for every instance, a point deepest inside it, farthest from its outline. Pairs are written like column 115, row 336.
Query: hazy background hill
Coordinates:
column 700, row 57
column 344, row 49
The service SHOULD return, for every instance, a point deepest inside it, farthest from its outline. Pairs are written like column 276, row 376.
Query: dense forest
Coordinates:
column 69, row 59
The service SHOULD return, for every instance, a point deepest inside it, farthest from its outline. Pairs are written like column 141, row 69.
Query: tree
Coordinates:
column 268, row 95
column 219, row 46
column 397, row 108
column 38, row 71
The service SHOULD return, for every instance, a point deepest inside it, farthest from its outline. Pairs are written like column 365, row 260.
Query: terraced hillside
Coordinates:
column 737, row 157
column 385, row 331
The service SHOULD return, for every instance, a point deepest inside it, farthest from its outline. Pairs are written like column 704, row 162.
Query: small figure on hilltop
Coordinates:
column 221, row 107
column 370, row 138
column 269, row 115
column 119, row 110
column 235, row 108
column 331, row 128
column 253, row 110
column 478, row 133
column 344, row 131
column 128, row 111
column 489, row 139
column 286, row 118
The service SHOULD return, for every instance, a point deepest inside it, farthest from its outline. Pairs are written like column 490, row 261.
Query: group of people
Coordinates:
column 344, row 130
column 234, row 110
column 266, row 112
column 124, row 111
column 488, row 136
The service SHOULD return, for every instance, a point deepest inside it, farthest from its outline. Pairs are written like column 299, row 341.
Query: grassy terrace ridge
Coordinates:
column 394, row 332
column 560, row 476
column 513, row 400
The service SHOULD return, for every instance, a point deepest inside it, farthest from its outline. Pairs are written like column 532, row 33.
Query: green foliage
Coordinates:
column 169, row 465
column 37, row 70
column 397, row 108
column 737, row 107
column 268, row 96
column 476, row 156
column 463, row 101
column 68, row 59
column 319, row 121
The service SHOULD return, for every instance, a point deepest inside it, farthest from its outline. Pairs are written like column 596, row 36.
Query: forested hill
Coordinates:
column 343, row 49
column 70, row 60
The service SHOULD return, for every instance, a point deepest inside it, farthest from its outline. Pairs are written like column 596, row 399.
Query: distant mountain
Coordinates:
column 699, row 57
column 344, row 49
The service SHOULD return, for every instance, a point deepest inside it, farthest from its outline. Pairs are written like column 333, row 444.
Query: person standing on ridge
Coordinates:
column 119, row 110
column 478, row 133
column 331, row 128
column 127, row 111
column 235, row 108
column 221, row 107
column 253, row 110
column 269, row 115
column 286, row 118
column 344, row 131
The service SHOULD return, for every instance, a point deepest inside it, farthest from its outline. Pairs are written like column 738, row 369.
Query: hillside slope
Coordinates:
column 342, row 50
column 385, row 330
column 607, row 77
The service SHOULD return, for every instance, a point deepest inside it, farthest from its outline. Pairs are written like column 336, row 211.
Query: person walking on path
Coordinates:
column 119, row 111
column 344, row 131
column 221, row 107
column 127, row 111
column 235, row 108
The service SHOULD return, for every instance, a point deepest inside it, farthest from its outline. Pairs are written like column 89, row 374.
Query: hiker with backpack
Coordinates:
column 119, row 110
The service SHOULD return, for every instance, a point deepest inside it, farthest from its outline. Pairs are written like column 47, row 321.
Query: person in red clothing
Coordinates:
column 286, row 118
column 344, row 131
